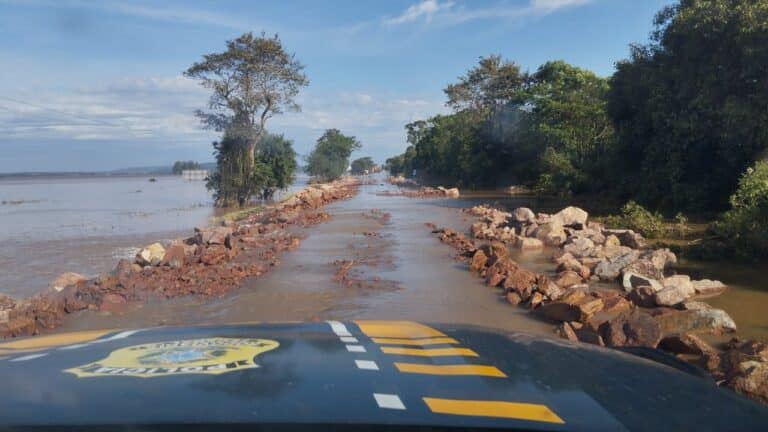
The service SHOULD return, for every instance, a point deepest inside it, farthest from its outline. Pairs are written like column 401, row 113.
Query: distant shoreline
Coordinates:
column 123, row 172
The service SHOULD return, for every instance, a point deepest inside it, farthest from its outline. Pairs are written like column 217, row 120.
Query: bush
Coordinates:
column 745, row 225
column 638, row 218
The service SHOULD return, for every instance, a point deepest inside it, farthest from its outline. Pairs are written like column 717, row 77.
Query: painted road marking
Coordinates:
column 348, row 339
column 397, row 329
column 366, row 364
column 465, row 369
column 481, row 408
column 339, row 328
column 355, row 348
column 417, row 342
column 28, row 357
column 389, row 401
column 38, row 343
column 429, row 352
column 121, row 335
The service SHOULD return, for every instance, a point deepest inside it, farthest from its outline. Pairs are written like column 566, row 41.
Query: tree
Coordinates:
column 180, row 166
column 253, row 80
column 689, row 107
column 273, row 168
column 362, row 165
column 330, row 157
column 277, row 155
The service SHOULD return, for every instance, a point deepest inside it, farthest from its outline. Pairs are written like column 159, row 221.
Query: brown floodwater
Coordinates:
column 408, row 274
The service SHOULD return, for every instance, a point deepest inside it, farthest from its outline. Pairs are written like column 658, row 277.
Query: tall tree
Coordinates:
column 253, row 80
column 330, row 157
column 690, row 106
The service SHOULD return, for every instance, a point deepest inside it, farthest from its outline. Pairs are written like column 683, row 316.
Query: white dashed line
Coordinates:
column 348, row 339
column 339, row 328
column 75, row 346
column 366, row 364
column 355, row 348
column 28, row 357
column 121, row 335
column 389, row 401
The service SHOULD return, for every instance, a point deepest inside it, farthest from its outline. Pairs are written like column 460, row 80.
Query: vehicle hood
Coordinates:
column 395, row 373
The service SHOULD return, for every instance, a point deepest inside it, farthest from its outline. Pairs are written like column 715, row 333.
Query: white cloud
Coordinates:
column 449, row 13
column 426, row 9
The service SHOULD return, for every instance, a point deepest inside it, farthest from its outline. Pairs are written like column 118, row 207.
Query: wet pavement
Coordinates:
column 402, row 272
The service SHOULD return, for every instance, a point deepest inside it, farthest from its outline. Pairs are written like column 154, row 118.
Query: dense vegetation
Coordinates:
column 362, row 165
column 274, row 168
column 330, row 157
column 253, row 80
column 180, row 166
column 673, row 130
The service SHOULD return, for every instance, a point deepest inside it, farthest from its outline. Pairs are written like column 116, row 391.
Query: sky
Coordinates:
column 98, row 85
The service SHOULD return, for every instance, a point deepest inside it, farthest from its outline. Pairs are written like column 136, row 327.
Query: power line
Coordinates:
column 68, row 114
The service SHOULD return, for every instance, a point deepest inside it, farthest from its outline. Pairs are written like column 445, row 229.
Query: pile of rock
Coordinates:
column 209, row 263
column 650, row 308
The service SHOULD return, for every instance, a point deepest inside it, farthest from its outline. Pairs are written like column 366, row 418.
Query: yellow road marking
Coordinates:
column 397, row 329
column 419, row 342
column 429, row 369
column 479, row 408
column 433, row 352
column 42, row 342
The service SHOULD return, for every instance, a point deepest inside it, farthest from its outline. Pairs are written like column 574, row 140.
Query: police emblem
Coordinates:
column 194, row 356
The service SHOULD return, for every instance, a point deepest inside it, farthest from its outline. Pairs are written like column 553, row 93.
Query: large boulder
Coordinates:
column 66, row 279
column 452, row 193
column 579, row 247
column 574, row 305
column 568, row 278
column 570, row 216
column 528, row 243
column 643, row 296
column 551, row 233
column 610, row 268
column 706, row 287
column 706, row 320
column 631, row 280
column 627, row 237
column 150, row 255
column 523, row 216
column 676, row 290
column 479, row 259
column 214, row 235
column 631, row 329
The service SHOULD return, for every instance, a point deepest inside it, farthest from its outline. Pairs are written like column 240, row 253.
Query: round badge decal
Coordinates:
column 193, row 356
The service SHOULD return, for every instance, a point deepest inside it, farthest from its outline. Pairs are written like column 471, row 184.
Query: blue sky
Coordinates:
column 89, row 85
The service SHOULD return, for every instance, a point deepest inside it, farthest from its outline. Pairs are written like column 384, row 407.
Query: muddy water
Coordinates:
column 408, row 274
column 49, row 225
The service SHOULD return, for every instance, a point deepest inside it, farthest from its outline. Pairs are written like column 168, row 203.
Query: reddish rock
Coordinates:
column 643, row 296
column 616, row 304
column 589, row 335
column 521, row 280
column 567, row 279
column 685, row 344
column 174, row 256
column 514, row 298
column 479, row 259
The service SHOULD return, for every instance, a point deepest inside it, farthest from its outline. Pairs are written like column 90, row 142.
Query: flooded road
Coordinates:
column 406, row 273
column 410, row 275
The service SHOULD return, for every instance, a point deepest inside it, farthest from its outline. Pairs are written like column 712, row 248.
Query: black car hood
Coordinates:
column 373, row 373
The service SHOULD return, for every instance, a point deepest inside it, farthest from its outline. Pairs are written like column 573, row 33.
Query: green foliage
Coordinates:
column 180, row 166
column 236, row 181
column 689, row 107
column 745, row 225
column 362, row 165
column 636, row 217
column 549, row 128
column 276, row 159
column 330, row 157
